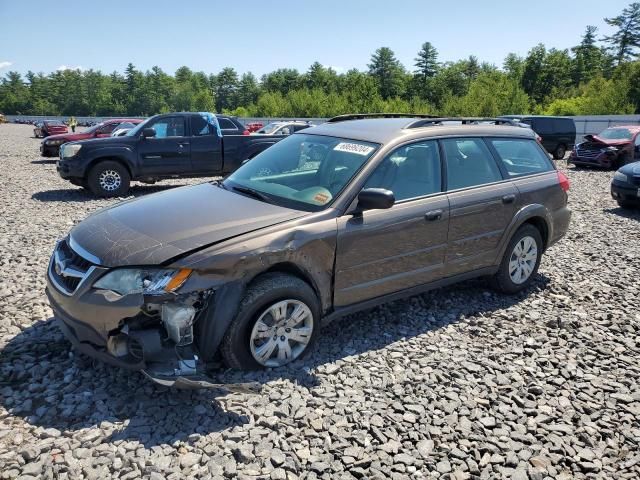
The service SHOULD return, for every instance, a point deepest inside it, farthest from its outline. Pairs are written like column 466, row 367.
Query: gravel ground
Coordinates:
column 457, row 383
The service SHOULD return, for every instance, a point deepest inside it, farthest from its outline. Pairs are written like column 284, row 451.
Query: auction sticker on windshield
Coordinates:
column 353, row 148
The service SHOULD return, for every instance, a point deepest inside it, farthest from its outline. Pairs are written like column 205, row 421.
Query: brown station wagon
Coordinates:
column 337, row 218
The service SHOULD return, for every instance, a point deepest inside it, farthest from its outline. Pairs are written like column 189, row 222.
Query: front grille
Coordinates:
column 589, row 152
column 68, row 269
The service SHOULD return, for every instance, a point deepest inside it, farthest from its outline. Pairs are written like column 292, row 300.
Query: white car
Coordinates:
column 282, row 128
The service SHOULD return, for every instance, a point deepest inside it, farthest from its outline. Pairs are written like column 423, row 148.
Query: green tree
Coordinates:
column 388, row 73
column 588, row 59
column 227, row 90
column 426, row 62
column 626, row 39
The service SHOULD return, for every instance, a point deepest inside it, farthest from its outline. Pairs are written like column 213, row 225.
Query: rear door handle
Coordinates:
column 433, row 215
column 509, row 198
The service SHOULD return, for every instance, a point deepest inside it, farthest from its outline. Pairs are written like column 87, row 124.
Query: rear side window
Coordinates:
column 543, row 126
column 521, row 157
column 226, row 124
column 469, row 163
column 200, row 126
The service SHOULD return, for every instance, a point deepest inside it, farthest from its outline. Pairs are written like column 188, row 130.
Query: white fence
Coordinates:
column 585, row 124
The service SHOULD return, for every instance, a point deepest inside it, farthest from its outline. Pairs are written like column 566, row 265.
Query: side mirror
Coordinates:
column 148, row 132
column 375, row 199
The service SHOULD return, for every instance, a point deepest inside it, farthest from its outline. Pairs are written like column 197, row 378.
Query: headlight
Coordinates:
column 69, row 150
column 150, row 282
column 611, row 149
column 621, row 177
column 54, row 142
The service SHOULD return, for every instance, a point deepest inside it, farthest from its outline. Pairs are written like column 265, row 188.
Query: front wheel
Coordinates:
column 277, row 322
column 626, row 204
column 521, row 260
column 109, row 179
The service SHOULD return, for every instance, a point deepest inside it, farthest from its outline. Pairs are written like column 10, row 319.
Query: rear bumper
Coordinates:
column 561, row 221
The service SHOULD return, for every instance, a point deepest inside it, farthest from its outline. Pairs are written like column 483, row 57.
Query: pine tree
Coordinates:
column 427, row 61
column 626, row 39
column 388, row 72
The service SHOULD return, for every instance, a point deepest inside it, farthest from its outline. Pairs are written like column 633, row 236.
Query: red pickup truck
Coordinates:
column 50, row 146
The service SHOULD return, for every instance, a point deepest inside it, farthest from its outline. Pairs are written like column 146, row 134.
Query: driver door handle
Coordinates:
column 433, row 215
column 509, row 198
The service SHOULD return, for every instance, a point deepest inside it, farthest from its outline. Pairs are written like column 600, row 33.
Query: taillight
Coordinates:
column 246, row 132
column 564, row 181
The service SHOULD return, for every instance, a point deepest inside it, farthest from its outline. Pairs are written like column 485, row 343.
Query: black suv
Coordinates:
column 330, row 220
column 558, row 134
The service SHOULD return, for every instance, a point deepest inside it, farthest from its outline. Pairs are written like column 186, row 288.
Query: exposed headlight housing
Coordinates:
column 621, row 177
column 152, row 281
column 70, row 149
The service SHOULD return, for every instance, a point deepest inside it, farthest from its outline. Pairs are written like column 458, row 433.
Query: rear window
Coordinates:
column 521, row 157
column 226, row 124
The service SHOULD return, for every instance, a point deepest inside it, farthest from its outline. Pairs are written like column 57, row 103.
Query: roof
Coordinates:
column 534, row 116
column 387, row 130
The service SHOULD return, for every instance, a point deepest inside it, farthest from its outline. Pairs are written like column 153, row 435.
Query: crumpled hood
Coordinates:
column 155, row 228
column 605, row 141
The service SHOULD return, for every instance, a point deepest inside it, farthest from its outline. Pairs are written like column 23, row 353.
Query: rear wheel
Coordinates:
column 521, row 260
column 277, row 322
column 560, row 152
column 109, row 179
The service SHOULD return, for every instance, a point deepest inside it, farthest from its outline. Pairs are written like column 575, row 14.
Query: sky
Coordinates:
column 261, row 36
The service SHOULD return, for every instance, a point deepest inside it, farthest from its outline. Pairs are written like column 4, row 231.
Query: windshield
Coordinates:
column 270, row 128
column 54, row 123
column 616, row 134
column 305, row 172
column 93, row 129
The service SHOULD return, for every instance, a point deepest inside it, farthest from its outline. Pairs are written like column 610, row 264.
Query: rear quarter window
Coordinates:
column 521, row 156
column 226, row 124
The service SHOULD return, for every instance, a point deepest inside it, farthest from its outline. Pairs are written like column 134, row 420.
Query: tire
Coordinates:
column 241, row 344
column 506, row 279
column 109, row 179
column 560, row 152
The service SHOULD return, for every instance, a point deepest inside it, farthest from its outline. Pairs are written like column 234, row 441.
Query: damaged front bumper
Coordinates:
column 133, row 331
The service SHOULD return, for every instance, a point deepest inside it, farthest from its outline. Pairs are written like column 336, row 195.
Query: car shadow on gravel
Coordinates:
column 48, row 384
column 624, row 212
column 44, row 161
column 81, row 195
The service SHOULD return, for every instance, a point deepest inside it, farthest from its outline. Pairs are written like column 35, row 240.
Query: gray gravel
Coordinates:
column 458, row 383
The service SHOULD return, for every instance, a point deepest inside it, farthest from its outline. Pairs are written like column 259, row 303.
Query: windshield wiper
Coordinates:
column 253, row 193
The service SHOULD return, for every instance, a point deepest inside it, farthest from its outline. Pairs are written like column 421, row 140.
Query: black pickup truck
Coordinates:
column 172, row 145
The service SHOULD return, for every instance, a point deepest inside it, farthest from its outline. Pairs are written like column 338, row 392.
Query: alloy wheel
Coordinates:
column 109, row 180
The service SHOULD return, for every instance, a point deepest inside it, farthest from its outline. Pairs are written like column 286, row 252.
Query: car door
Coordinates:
column 206, row 146
column 168, row 153
column 481, row 202
column 385, row 251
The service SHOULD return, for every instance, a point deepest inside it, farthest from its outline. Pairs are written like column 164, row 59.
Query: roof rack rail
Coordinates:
column 362, row 116
column 463, row 120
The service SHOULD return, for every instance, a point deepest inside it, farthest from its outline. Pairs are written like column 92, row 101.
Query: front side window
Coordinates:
column 469, row 163
column 302, row 171
column 410, row 171
column 107, row 128
column 521, row 157
column 169, row 127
